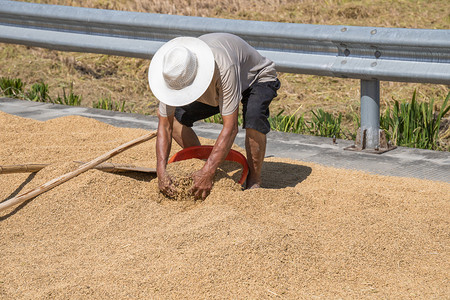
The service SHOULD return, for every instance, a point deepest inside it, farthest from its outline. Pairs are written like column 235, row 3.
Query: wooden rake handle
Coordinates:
column 83, row 168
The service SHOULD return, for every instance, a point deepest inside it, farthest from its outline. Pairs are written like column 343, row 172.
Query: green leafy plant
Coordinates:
column 11, row 87
column 68, row 99
column 108, row 104
column 288, row 123
column 14, row 87
column 325, row 124
column 414, row 124
column 38, row 93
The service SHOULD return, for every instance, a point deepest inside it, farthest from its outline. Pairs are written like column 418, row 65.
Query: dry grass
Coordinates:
column 432, row 14
column 124, row 79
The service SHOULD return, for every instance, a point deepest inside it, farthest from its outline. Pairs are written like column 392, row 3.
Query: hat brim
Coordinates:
column 205, row 72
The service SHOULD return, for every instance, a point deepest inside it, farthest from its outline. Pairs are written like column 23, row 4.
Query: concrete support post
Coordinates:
column 370, row 114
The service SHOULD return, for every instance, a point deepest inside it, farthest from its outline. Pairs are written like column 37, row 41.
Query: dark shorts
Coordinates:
column 255, row 107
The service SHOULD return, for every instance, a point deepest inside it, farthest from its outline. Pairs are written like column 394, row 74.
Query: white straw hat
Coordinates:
column 181, row 71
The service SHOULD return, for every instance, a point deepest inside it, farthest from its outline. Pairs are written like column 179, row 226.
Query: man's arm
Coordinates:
column 163, row 146
column 204, row 177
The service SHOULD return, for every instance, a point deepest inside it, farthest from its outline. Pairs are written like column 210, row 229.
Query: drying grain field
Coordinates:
column 311, row 232
column 124, row 79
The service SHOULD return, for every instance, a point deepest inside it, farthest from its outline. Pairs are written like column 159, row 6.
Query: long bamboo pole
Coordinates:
column 105, row 167
column 89, row 165
column 119, row 168
column 25, row 168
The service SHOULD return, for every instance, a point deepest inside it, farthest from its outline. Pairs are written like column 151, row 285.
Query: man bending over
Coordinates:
column 195, row 78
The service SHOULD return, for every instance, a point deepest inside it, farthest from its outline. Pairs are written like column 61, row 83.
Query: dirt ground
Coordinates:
column 311, row 232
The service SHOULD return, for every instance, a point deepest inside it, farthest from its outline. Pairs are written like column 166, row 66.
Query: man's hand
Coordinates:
column 202, row 186
column 203, row 179
column 166, row 185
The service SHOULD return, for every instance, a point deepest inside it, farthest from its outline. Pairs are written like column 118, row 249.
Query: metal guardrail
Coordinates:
column 367, row 53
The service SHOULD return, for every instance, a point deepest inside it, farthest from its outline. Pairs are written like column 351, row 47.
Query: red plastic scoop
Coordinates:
column 203, row 152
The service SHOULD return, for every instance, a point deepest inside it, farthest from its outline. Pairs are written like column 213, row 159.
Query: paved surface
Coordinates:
column 405, row 162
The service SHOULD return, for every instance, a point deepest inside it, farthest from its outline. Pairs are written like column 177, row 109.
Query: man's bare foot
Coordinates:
column 253, row 186
column 252, row 183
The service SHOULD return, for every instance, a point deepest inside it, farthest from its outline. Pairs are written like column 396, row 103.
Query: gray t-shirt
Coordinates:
column 238, row 65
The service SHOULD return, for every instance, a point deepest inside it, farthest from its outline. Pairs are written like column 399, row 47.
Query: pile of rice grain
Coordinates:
column 311, row 232
column 181, row 175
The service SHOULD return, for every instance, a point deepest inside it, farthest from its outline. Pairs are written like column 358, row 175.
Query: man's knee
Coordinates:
column 256, row 103
column 257, row 121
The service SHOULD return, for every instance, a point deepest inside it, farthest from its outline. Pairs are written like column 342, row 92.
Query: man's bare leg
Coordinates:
column 255, row 146
column 184, row 136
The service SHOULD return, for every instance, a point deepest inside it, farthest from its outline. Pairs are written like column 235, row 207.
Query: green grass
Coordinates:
column 11, row 87
column 325, row 124
column 38, row 93
column 68, row 99
column 108, row 104
column 321, row 124
column 414, row 124
column 288, row 123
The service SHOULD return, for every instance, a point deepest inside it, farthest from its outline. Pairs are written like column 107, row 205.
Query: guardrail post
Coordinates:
column 369, row 137
column 370, row 114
